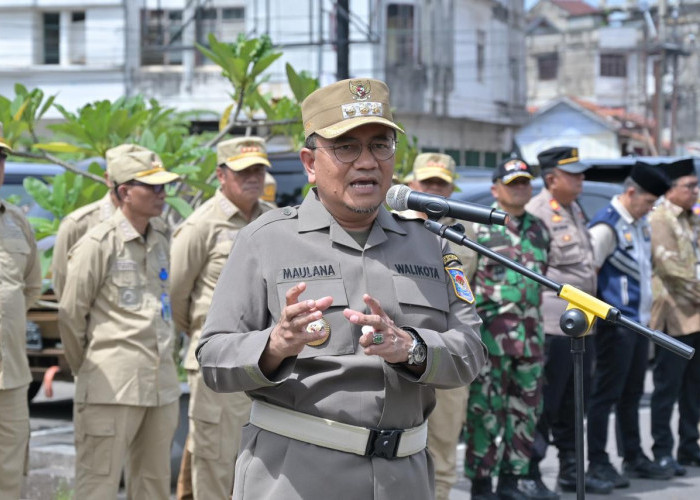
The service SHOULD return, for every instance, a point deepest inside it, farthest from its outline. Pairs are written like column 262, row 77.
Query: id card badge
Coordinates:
column 165, row 309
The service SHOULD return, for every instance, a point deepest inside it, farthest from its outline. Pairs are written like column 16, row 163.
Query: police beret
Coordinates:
column 651, row 178
column 563, row 157
column 680, row 168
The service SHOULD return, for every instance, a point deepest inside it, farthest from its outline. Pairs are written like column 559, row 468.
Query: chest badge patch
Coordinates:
column 460, row 284
column 317, row 326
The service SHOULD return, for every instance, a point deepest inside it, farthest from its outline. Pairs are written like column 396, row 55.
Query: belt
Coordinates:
column 384, row 443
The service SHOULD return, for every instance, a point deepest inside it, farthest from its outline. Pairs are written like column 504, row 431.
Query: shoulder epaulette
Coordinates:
column 101, row 230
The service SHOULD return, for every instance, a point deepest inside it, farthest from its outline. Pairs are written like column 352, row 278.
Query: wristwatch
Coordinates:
column 418, row 350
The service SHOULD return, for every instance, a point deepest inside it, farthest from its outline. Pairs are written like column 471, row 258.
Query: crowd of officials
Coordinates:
column 337, row 349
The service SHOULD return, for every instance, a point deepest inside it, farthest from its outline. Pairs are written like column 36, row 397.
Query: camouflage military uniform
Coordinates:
column 504, row 400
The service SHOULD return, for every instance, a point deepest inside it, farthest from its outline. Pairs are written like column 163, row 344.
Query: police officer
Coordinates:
column 200, row 248
column 20, row 286
column 570, row 261
column 675, row 247
column 621, row 242
column 504, row 400
column 339, row 319
column 434, row 173
column 116, row 327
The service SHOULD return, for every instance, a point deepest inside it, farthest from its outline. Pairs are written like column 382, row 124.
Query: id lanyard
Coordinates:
column 165, row 309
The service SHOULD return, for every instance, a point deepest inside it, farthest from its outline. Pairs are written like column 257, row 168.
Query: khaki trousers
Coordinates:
column 107, row 436
column 445, row 425
column 14, row 440
column 213, row 441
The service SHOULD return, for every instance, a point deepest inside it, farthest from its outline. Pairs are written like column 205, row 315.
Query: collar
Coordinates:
column 676, row 210
column 313, row 215
column 617, row 205
column 124, row 227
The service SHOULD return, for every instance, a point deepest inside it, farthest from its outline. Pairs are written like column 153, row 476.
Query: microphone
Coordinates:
column 402, row 198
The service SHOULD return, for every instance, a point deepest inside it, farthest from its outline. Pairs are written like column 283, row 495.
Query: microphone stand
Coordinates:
column 576, row 322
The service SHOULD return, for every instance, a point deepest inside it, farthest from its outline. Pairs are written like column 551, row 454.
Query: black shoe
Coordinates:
column 606, row 472
column 508, row 489
column 689, row 458
column 481, row 489
column 567, row 480
column 668, row 462
column 643, row 468
column 535, row 489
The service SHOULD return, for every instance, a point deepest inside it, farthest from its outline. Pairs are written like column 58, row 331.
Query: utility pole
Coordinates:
column 342, row 37
column 659, row 70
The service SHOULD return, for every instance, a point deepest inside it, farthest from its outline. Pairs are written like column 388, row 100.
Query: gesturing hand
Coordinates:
column 395, row 342
column 289, row 335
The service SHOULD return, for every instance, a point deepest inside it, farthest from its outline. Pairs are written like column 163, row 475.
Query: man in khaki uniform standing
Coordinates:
column 20, row 286
column 675, row 250
column 570, row 261
column 434, row 173
column 199, row 251
column 339, row 320
column 116, row 326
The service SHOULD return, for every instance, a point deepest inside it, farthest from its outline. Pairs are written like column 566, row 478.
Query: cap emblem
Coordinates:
column 360, row 89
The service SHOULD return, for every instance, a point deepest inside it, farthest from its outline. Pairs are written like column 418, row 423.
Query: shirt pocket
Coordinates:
column 128, row 288
column 340, row 340
column 423, row 303
column 566, row 252
column 18, row 252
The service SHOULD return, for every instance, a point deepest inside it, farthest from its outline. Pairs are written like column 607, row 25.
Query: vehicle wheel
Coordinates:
column 33, row 390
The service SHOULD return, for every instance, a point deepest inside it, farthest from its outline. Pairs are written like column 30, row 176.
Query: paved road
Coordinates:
column 52, row 437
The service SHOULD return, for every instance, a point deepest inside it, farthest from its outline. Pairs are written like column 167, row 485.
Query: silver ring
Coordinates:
column 377, row 338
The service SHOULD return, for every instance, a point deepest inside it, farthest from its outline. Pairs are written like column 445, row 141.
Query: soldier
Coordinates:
column 622, row 251
column 434, row 173
column 675, row 240
column 570, row 261
column 20, row 286
column 504, row 400
column 116, row 326
column 339, row 320
column 200, row 248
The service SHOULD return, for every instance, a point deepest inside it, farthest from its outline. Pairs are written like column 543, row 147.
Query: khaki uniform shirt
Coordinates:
column 114, row 316
column 570, row 258
column 72, row 228
column 401, row 266
column 20, row 286
column 199, row 251
column 675, row 248
column 467, row 256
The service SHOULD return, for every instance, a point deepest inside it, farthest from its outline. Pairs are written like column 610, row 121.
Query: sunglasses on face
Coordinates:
column 3, row 155
column 156, row 188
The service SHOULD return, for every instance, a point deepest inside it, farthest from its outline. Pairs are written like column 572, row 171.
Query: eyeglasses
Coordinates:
column 349, row 151
column 156, row 188
column 690, row 186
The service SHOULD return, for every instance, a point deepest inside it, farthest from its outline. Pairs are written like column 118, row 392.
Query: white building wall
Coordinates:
column 17, row 47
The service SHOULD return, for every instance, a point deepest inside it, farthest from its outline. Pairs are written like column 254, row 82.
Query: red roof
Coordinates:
column 575, row 7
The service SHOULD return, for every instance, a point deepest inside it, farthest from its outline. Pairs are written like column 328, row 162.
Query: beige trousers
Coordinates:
column 213, row 441
column 14, row 440
column 445, row 424
column 107, row 436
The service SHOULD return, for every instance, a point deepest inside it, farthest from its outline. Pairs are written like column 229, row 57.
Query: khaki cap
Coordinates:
column 333, row 110
column 241, row 153
column 130, row 162
column 428, row 165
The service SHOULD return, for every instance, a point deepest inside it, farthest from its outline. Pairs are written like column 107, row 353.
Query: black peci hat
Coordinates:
column 651, row 178
column 680, row 168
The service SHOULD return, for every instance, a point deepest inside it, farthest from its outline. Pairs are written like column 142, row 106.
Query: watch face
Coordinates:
column 419, row 354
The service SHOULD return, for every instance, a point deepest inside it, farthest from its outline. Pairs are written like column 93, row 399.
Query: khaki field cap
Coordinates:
column 130, row 162
column 339, row 107
column 241, row 153
column 428, row 165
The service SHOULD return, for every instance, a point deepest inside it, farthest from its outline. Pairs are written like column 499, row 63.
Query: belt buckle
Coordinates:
column 383, row 443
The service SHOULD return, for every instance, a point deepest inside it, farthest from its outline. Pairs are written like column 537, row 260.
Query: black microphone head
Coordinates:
column 397, row 197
